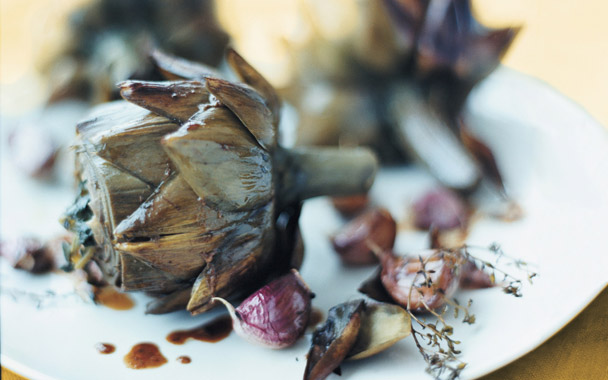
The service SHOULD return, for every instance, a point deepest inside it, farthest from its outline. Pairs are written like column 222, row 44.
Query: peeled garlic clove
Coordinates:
column 382, row 325
column 274, row 316
column 421, row 283
column 375, row 228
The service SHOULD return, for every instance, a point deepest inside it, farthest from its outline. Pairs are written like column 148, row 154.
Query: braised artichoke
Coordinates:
column 397, row 81
column 190, row 195
column 109, row 39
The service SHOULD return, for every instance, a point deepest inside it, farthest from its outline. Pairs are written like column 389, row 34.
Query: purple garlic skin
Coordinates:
column 276, row 315
column 440, row 208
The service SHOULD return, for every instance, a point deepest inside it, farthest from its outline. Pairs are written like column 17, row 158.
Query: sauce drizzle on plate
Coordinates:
column 211, row 332
column 144, row 355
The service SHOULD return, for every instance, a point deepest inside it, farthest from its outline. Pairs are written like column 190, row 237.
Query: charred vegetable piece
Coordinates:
column 276, row 315
column 332, row 341
column 441, row 209
column 188, row 190
column 382, row 325
column 355, row 242
column 354, row 330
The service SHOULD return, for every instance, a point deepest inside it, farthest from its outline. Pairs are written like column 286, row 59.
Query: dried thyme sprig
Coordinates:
column 442, row 356
column 45, row 299
column 512, row 284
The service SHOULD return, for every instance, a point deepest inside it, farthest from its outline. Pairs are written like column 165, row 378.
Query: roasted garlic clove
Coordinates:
column 274, row 316
column 420, row 283
column 373, row 230
column 441, row 209
column 30, row 254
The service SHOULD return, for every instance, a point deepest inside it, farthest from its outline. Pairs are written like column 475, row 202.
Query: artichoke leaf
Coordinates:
column 176, row 100
column 174, row 208
column 112, row 190
column 252, row 77
column 170, row 302
column 183, row 255
column 141, row 276
column 127, row 135
column 249, row 106
column 240, row 262
column 221, row 161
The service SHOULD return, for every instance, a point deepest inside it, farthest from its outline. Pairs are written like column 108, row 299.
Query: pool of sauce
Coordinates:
column 213, row 331
column 184, row 359
column 144, row 355
column 105, row 348
column 110, row 297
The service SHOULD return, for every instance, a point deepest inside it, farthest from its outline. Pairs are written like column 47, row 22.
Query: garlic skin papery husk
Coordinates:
column 276, row 315
column 191, row 197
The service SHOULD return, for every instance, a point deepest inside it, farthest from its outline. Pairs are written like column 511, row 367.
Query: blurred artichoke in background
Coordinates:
column 397, row 81
column 187, row 195
column 109, row 41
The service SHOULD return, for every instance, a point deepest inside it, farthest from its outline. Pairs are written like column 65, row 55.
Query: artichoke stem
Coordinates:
column 310, row 172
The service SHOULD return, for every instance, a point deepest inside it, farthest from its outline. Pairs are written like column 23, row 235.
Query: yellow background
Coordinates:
column 564, row 42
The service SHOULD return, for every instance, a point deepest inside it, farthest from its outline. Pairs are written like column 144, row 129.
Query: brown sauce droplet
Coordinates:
column 110, row 297
column 144, row 355
column 211, row 332
column 316, row 316
column 105, row 348
column 184, row 359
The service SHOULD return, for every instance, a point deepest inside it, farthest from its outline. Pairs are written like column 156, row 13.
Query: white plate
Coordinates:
column 554, row 158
